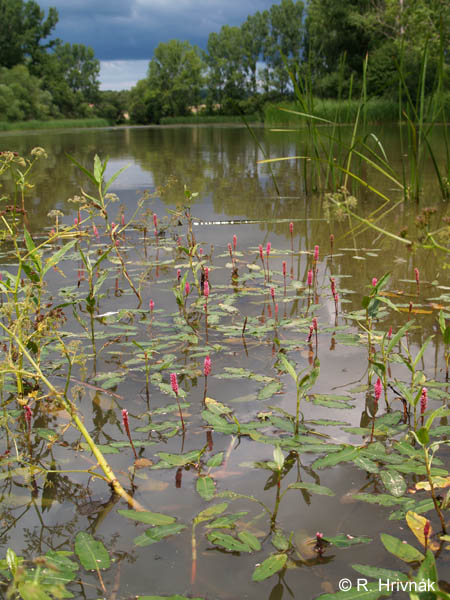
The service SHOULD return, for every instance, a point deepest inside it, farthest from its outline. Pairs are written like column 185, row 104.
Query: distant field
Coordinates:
column 208, row 119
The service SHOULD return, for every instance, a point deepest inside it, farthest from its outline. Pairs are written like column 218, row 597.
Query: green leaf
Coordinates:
column 422, row 436
column 59, row 568
column 250, row 539
column 216, row 460
column 179, row 460
column 175, row 597
column 224, row 540
column 393, row 482
column 366, row 464
column 29, row 590
column 92, row 553
column 379, row 573
column 269, row 390
column 150, row 518
column 422, row 350
column 31, row 247
column 112, row 179
column 345, row 541
column 85, row 171
column 278, row 457
column 288, row 366
column 344, row 455
column 205, row 487
column 442, row 411
column 280, row 541
column 403, row 551
column 158, row 533
column 56, row 257
column 99, row 169
column 314, row 488
column 209, row 512
column 226, row 522
column 269, row 567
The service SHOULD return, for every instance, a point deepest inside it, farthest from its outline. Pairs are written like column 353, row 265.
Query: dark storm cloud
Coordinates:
column 117, row 29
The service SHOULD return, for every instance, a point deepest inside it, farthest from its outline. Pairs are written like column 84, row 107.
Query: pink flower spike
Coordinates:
column 206, row 274
column 316, row 253
column 378, row 389
column 122, row 220
column 151, row 305
column 272, row 293
column 95, row 231
column 178, row 274
column 417, row 275
column 206, row 289
column 333, row 286
column 125, row 417
column 268, row 248
column 291, row 228
column 261, row 252
column 234, row 242
column 423, row 400
column 426, row 529
column 374, row 281
column 311, row 331
column 75, row 222
column 319, row 535
column 310, row 278
column 389, row 335
column 155, row 221
column 314, row 323
column 187, row 288
column 28, row 415
column 207, row 366
column 200, row 251
column 174, row 383
column 284, row 268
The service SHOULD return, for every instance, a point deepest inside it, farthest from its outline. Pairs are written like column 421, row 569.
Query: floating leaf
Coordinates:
column 150, row 518
column 344, row 455
column 269, row 390
column 209, row 512
column 224, row 540
column 205, row 487
column 92, row 553
column 313, row 488
column 158, row 533
column 417, row 524
column 438, row 482
column 225, row 522
column 394, row 483
column 250, row 539
column 269, row 567
column 379, row 573
column 403, row 551
column 280, row 541
column 343, row 540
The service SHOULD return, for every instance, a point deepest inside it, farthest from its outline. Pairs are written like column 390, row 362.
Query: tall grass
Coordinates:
column 54, row 124
column 341, row 111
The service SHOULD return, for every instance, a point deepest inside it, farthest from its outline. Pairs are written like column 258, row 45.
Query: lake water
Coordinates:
column 236, row 196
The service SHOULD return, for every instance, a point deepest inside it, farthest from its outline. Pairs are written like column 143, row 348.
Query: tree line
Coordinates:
column 322, row 44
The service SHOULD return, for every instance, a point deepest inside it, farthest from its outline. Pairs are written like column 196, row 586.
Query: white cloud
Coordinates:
column 121, row 74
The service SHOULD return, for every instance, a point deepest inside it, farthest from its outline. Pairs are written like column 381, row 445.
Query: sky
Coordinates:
column 124, row 33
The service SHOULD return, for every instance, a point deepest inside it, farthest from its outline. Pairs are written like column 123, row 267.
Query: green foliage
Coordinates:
column 173, row 83
column 22, row 96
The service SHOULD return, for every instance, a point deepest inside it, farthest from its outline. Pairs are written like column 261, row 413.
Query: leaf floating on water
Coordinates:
column 394, row 483
column 343, row 540
column 92, row 553
column 313, row 488
column 205, row 487
column 158, row 533
column 150, row 518
column 417, row 525
column 403, row 551
column 269, row 567
column 269, row 390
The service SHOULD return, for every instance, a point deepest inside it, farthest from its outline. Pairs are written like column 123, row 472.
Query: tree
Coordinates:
column 226, row 69
column 255, row 31
column 174, row 79
column 285, row 38
column 21, row 96
column 333, row 33
column 22, row 29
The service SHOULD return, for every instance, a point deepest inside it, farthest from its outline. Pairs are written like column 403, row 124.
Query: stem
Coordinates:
column 433, row 495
